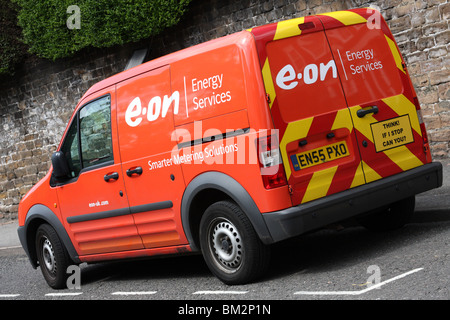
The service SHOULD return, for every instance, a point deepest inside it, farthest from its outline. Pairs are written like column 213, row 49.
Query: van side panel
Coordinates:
column 210, row 83
column 223, row 111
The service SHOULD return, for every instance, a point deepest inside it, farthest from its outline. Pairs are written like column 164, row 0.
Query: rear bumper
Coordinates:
column 343, row 205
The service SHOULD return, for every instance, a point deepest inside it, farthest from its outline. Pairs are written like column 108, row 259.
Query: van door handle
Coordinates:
column 137, row 171
column 112, row 176
column 362, row 112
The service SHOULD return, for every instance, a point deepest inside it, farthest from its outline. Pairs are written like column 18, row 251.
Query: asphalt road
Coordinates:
column 333, row 264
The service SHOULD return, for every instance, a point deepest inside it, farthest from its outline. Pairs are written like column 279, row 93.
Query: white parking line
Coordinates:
column 9, row 295
column 13, row 247
column 220, row 292
column 132, row 293
column 233, row 292
column 63, row 294
column 354, row 293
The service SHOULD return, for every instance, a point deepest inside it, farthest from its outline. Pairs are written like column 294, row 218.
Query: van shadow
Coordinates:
column 152, row 268
column 335, row 248
column 329, row 249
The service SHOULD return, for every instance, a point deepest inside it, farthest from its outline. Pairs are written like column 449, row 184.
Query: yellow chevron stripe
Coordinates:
column 363, row 124
column 268, row 82
column 294, row 131
column 358, row 179
column 401, row 105
column 319, row 184
column 346, row 17
column 395, row 53
column 343, row 120
column 403, row 157
column 369, row 173
column 288, row 28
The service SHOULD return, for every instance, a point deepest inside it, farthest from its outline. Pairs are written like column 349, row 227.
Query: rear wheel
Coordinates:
column 53, row 257
column 393, row 217
column 230, row 246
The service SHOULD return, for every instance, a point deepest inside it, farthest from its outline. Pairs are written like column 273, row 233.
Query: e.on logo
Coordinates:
column 311, row 73
column 156, row 107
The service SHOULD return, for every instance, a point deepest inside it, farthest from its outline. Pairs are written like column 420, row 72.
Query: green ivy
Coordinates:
column 103, row 23
column 12, row 50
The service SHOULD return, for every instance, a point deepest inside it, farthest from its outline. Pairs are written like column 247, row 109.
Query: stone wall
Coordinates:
column 35, row 106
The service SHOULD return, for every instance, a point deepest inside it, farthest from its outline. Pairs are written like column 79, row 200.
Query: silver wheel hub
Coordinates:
column 227, row 245
column 49, row 256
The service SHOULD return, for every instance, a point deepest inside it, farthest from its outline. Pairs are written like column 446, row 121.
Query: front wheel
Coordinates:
column 52, row 256
column 230, row 246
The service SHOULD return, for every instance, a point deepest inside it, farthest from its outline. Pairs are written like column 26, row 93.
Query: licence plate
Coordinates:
column 392, row 133
column 319, row 155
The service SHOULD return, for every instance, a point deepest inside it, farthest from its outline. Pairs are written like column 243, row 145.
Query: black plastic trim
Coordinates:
column 121, row 212
column 42, row 212
column 306, row 217
column 226, row 184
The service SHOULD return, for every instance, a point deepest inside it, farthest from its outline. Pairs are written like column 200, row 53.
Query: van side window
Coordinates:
column 95, row 132
column 70, row 149
column 89, row 135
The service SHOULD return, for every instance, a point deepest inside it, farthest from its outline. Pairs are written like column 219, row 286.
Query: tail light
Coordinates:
column 270, row 162
column 426, row 147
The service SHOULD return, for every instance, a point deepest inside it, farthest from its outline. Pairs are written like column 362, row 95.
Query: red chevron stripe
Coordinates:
column 379, row 162
column 330, row 23
column 342, row 179
column 299, row 189
column 277, row 119
column 263, row 35
column 322, row 123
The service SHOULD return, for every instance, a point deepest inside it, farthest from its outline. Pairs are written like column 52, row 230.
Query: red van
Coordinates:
column 232, row 145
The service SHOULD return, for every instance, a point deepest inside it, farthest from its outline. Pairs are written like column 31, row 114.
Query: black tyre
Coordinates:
column 230, row 246
column 393, row 217
column 53, row 257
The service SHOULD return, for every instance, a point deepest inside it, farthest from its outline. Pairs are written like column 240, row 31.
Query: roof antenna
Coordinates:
column 137, row 58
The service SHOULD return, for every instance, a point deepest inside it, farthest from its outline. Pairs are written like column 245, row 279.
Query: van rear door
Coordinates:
column 342, row 100
column 317, row 141
column 378, row 91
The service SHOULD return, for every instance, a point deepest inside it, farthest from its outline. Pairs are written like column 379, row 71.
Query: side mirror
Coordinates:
column 60, row 166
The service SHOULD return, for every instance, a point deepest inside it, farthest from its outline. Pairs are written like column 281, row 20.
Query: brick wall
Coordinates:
column 36, row 105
